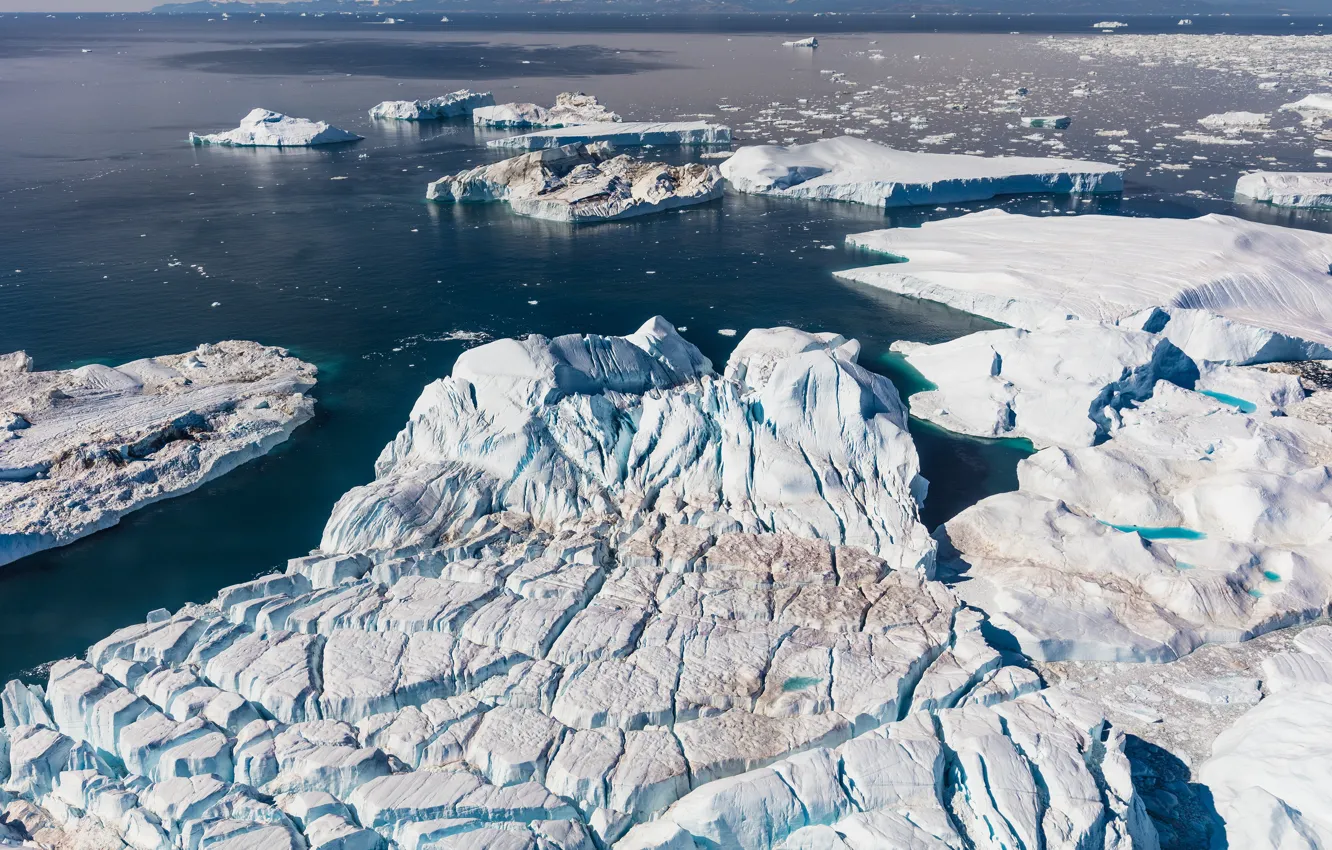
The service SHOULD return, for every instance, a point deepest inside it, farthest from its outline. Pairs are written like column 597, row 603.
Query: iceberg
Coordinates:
column 458, row 104
column 265, row 129
column 1314, row 106
column 578, row 184
column 1286, row 189
column 621, row 135
column 804, row 42
column 1236, row 121
column 865, row 172
column 81, row 448
column 571, row 109
column 1223, row 289
column 1047, row 122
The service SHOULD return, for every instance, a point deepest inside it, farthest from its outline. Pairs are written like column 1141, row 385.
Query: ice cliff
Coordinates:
column 79, row 449
column 570, row 109
column 265, row 129
column 457, row 104
column 582, row 183
column 1286, row 189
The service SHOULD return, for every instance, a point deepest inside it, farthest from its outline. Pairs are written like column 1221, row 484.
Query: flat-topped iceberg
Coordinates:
column 1287, row 189
column 1233, row 291
column 266, row 129
column 570, row 109
column 576, row 184
column 457, row 104
column 622, row 135
column 865, row 172
column 79, row 449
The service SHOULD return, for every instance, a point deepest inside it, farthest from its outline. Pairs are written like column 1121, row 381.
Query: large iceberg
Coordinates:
column 622, row 135
column 571, row 109
column 457, row 104
column 1286, row 189
column 865, row 172
column 263, row 128
column 582, row 183
column 79, row 449
column 1232, row 290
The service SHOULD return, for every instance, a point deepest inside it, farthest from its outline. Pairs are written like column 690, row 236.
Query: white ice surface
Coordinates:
column 263, row 128
column 1287, row 189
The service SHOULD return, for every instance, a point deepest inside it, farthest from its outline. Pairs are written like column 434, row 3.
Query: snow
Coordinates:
column 1287, row 189
column 81, row 448
column 458, row 104
column 626, row 134
column 1232, row 290
column 263, row 128
column 571, row 109
column 861, row 171
column 582, row 183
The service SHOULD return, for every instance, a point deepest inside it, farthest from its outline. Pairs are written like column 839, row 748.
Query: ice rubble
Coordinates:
column 79, row 449
column 457, row 104
column 658, row 634
column 1286, row 189
column 265, row 129
column 571, row 109
column 861, row 171
column 1288, row 61
column 582, row 183
column 1232, row 290
column 626, row 134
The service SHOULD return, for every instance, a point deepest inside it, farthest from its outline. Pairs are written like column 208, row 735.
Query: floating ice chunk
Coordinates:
column 1287, row 189
column 571, row 109
column 458, row 104
column 1236, row 121
column 858, row 170
column 1047, row 122
column 263, row 128
column 626, row 134
column 804, row 42
column 1316, row 104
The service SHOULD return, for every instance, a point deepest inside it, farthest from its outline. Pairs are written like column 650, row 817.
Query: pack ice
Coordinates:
column 570, row 109
column 263, row 128
column 457, row 104
column 1220, row 288
column 79, row 449
column 1286, row 189
column 621, row 135
column 598, row 596
column 582, row 183
column 865, row 172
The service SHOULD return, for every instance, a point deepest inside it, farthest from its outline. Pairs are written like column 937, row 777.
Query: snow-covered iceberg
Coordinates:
column 1232, row 290
column 1286, row 189
column 571, row 109
column 622, row 135
column 858, row 170
column 265, row 129
column 79, row 449
column 457, row 104
column 578, row 184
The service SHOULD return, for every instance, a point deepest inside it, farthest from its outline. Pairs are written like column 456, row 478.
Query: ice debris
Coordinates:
column 570, row 110
column 458, row 104
column 263, row 128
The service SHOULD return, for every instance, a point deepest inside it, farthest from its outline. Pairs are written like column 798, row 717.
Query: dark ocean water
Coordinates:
column 106, row 215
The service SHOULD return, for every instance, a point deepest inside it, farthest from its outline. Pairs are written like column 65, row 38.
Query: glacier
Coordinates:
column 598, row 596
column 1223, row 289
column 582, row 183
column 266, row 129
column 571, row 109
column 1286, row 189
column 865, row 172
column 458, row 104
column 81, row 448
column 621, row 135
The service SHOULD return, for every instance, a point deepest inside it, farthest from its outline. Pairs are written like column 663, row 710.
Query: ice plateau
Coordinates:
column 582, row 183
column 598, row 596
column 1286, row 189
column 459, row 104
column 865, row 172
column 622, row 135
column 81, row 448
column 265, row 129
column 571, row 109
column 1220, row 288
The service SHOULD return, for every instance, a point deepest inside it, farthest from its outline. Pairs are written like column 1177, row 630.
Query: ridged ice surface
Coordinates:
column 1269, row 284
column 865, row 172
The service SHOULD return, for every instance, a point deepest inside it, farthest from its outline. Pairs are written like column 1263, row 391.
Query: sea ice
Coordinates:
column 1287, row 189
column 861, row 171
column 262, row 128
column 582, row 183
column 81, row 448
column 626, row 134
column 458, row 104
column 571, row 109
column 1232, row 290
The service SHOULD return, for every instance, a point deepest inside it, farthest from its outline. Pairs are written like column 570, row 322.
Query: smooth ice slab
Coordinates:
column 1286, row 189
column 571, row 109
column 265, row 129
column 454, row 105
column 626, row 134
column 1269, row 285
column 865, row 172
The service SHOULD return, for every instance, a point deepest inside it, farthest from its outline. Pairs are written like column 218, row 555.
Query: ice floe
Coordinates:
column 1232, row 290
column 861, row 171
column 459, row 104
column 622, row 134
column 1286, row 189
column 81, row 448
column 262, row 128
column 571, row 109
column 582, row 183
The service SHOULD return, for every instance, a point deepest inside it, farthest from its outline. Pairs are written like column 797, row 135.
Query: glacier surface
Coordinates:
column 262, row 128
